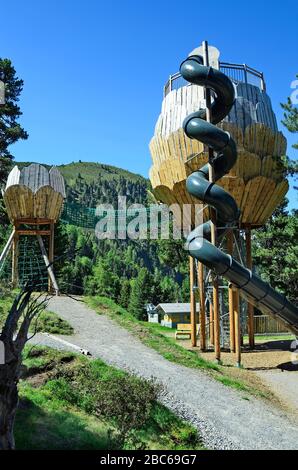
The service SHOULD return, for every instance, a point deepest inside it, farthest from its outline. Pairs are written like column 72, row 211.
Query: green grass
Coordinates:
column 47, row 322
column 86, row 404
column 153, row 335
column 37, row 359
column 150, row 334
column 50, row 322
column 54, row 426
column 266, row 338
column 240, row 386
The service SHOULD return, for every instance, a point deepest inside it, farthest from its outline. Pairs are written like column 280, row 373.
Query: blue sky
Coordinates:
column 94, row 71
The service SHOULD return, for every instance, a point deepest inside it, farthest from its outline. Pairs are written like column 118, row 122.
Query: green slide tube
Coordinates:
column 198, row 243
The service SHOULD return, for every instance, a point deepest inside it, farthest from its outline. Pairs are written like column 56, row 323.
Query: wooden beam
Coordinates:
column 7, row 247
column 250, row 307
column 212, row 218
column 230, row 243
column 34, row 221
column 47, row 263
column 15, row 256
column 216, row 317
column 237, row 327
column 193, row 313
column 51, row 252
column 202, row 307
column 34, row 232
column 211, row 323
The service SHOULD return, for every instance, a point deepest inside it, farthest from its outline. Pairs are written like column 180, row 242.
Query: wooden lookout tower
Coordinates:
column 256, row 182
column 33, row 197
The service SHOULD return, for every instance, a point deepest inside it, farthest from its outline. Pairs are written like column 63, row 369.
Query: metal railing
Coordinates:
column 238, row 73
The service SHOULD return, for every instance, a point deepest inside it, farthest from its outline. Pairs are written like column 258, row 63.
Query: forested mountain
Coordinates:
column 90, row 183
column 131, row 272
column 134, row 273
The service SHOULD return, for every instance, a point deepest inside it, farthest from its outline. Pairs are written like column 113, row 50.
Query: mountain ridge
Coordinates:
column 90, row 170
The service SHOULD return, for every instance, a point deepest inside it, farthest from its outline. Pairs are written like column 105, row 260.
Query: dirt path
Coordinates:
column 224, row 417
column 284, row 384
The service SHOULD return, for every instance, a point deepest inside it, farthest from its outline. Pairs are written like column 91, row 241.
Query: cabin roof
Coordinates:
column 171, row 308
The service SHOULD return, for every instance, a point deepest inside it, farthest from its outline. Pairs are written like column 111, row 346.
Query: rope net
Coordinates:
column 31, row 266
column 88, row 217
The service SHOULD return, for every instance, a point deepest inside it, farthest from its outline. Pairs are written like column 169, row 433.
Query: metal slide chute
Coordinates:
column 196, row 127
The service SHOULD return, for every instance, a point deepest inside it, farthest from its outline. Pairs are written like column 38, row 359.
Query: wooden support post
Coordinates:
column 193, row 307
column 250, row 307
column 212, row 219
column 216, row 316
column 237, row 327
column 211, row 321
column 202, row 307
column 49, row 267
column 51, row 252
column 7, row 248
column 230, row 242
column 15, row 258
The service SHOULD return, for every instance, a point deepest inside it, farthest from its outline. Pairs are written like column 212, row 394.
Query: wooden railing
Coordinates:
column 265, row 324
column 238, row 73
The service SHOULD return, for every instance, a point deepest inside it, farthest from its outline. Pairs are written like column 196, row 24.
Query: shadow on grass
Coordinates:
column 46, row 429
column 274, row 345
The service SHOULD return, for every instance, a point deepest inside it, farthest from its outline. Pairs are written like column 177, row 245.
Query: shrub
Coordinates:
column 125, row 400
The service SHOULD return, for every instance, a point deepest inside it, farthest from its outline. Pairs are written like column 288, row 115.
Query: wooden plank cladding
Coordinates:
column 34, row 193
column 256, row 181
column 265, row 324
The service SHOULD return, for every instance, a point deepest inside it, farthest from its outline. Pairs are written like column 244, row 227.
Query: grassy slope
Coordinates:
column 90, row 171
column 58, row 420
column 153, row 335
column 47, row 322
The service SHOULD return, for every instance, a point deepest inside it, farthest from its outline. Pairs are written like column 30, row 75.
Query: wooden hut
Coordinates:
column 172, row 314
column 33, row 197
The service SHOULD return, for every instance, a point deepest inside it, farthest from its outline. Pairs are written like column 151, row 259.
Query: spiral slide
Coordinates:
column 196, row 127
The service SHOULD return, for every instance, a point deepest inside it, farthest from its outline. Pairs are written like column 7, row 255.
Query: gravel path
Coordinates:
column 223, row 417
column 284, row 384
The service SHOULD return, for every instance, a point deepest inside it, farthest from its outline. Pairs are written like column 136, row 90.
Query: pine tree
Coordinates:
column 103, row 281
column 124, row 293
column 290, row 121
column 10, row 130
column 275, row 251
column 291, row 117
column 141, row 293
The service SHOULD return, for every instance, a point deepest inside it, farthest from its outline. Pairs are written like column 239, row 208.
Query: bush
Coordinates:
column 49, row 322
column 77, row 395
column 125, row 400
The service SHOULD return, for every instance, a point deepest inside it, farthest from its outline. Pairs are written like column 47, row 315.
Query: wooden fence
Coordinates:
column 266, row 324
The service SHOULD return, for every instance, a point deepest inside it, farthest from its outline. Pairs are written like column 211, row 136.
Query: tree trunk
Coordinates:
column 14, row 336
column 8, row 408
